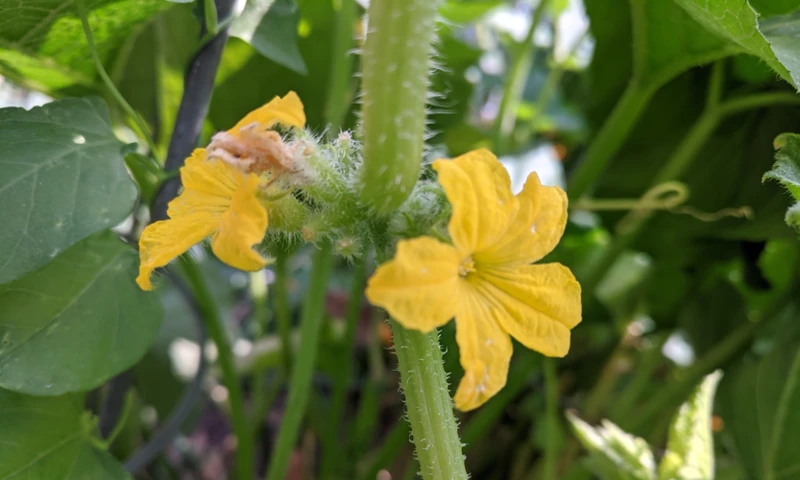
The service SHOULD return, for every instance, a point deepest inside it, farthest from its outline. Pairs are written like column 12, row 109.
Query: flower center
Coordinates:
column 466, row 267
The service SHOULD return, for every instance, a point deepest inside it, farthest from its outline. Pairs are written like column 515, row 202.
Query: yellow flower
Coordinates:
column 218, row 200
column 485, row 279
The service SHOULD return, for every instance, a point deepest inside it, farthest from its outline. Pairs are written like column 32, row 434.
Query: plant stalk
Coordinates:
column 609, row 139
column 515, row 82
column 300, row 383
column 429, row 406
column 244, row 452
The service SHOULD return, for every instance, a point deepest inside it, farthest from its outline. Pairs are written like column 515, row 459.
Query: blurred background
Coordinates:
column 677, row 282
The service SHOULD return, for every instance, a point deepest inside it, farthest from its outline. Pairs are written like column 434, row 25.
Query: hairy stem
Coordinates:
column 300, row 383
column 429, row 407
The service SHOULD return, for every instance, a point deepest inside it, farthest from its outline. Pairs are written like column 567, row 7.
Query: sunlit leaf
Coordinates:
column 739, row 22
column 50, row 438
column 42, row 43
column 63, row 179
column 77, row 322
column 614, row 454
column 690, row 446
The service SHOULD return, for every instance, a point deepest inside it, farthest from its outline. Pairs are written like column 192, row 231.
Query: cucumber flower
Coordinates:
column 221, row 192
column 485, row 278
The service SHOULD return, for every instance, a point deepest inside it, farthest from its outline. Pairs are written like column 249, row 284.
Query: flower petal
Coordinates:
column 240, row 228
column 484, row 351
column 208, row 185
column 541, row 304
column 536, row 229
column 419, row 287
column 165, row 240
column 286, row 111
column 479, row 189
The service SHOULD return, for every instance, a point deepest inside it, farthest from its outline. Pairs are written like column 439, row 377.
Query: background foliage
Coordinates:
column 659, row 121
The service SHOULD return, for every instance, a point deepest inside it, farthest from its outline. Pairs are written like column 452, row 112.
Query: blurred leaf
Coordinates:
column 469, row 11
column 737, row 21
column 787, row 171
column 614, row 454
column 50, row 438
column 63, row 179
column 271, row 27
column 150, row 74
column 77, row 322
column 760, row 404
column 690, row 446
column 42, row 44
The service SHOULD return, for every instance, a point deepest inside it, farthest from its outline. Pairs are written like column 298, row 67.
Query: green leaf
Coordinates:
column 64, row 178
column 690, row 446
column 787, row 171
column 270, row 26
column 50, row 438
column 651, row 41
column 737, row 21
column 77, row 322
column 760, row 404
column 614, row 454
column 42, row 44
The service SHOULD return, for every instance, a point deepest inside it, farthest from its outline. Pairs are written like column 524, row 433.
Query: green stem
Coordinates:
column 332, row 446
column 609, row 139
column 553, row 79
column 110, row 83
column 120, row 425
column 429, row 407
column 216, row 330
column 515, row 82
column 282, row 312
column 339, row 97
column 551, row 417
column 300, row 384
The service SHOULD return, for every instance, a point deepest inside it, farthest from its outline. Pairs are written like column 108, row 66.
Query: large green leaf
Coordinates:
column 649, row 41
column 77, row 322
column 50, row 438
column 270, row 26
column 63, row 179
column 760, row 403
column 42, row 42
column 614, row 454
column 739, row 22
column 690, row 447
